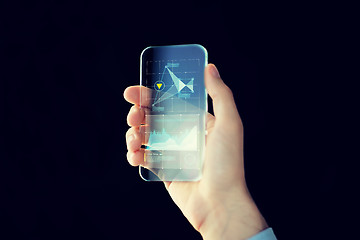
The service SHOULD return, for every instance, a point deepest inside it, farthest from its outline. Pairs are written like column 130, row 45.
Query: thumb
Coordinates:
column 223, row 101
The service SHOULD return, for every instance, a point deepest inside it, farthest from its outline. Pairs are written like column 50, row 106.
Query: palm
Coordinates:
column 188, row 195
column 193, row 197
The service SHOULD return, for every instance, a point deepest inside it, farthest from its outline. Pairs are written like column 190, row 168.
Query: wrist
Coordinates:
column 237, row 219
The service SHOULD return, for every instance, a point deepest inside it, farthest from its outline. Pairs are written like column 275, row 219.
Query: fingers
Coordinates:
column 135, row 138
column 138, row 95
column 223, row 102
column 136, row 158
column 136, row 116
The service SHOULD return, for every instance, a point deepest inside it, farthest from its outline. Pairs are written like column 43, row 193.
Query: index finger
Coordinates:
column 138, row 95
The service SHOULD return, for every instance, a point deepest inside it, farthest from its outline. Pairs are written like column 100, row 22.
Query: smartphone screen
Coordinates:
column 174, row 99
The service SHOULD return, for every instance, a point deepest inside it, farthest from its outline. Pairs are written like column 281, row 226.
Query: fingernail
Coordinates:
column 214, row 71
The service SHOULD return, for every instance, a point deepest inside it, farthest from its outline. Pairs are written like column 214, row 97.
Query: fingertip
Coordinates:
column 212, row 69
column 129, row 156
column 135, row 158
column 126, row 93
column 213, row 83
column 222, row 96
column 138, row 95
column 134, row 142
column 131, row 94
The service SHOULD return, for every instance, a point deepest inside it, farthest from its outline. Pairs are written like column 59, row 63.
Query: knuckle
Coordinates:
column 128, row 132
column 128, row 118
column 223, row 92
column 227, row 91
column 128, row 156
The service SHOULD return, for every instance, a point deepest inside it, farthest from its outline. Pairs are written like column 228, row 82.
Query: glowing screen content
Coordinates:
column 175, row 103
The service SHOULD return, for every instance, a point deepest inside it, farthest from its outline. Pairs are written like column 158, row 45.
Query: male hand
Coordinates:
column 219, row 206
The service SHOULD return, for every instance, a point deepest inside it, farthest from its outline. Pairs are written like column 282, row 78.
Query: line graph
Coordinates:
column 172, row 132
column 184, row 141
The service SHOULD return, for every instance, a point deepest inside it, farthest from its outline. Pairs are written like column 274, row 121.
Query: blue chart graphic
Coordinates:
column 174, row 84
column 185, row 141
column 172, row 132
column 178, row 86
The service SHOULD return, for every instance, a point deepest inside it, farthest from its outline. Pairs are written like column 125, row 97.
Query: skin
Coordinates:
column 219, row 206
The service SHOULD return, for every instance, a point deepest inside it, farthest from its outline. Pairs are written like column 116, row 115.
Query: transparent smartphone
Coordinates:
column 175, row 102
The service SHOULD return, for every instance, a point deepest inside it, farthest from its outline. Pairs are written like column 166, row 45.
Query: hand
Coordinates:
column 219, row 206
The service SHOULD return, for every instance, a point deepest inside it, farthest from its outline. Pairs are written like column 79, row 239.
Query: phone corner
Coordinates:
column 141, row 175
column 203, row 49
column 144, row 50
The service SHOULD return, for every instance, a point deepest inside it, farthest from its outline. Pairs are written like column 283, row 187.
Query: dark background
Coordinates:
column 64, row 173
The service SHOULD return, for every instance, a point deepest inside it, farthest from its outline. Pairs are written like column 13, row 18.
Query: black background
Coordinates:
column 64, row 173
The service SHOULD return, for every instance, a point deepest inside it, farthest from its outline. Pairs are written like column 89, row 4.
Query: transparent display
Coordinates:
column 175, row 103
